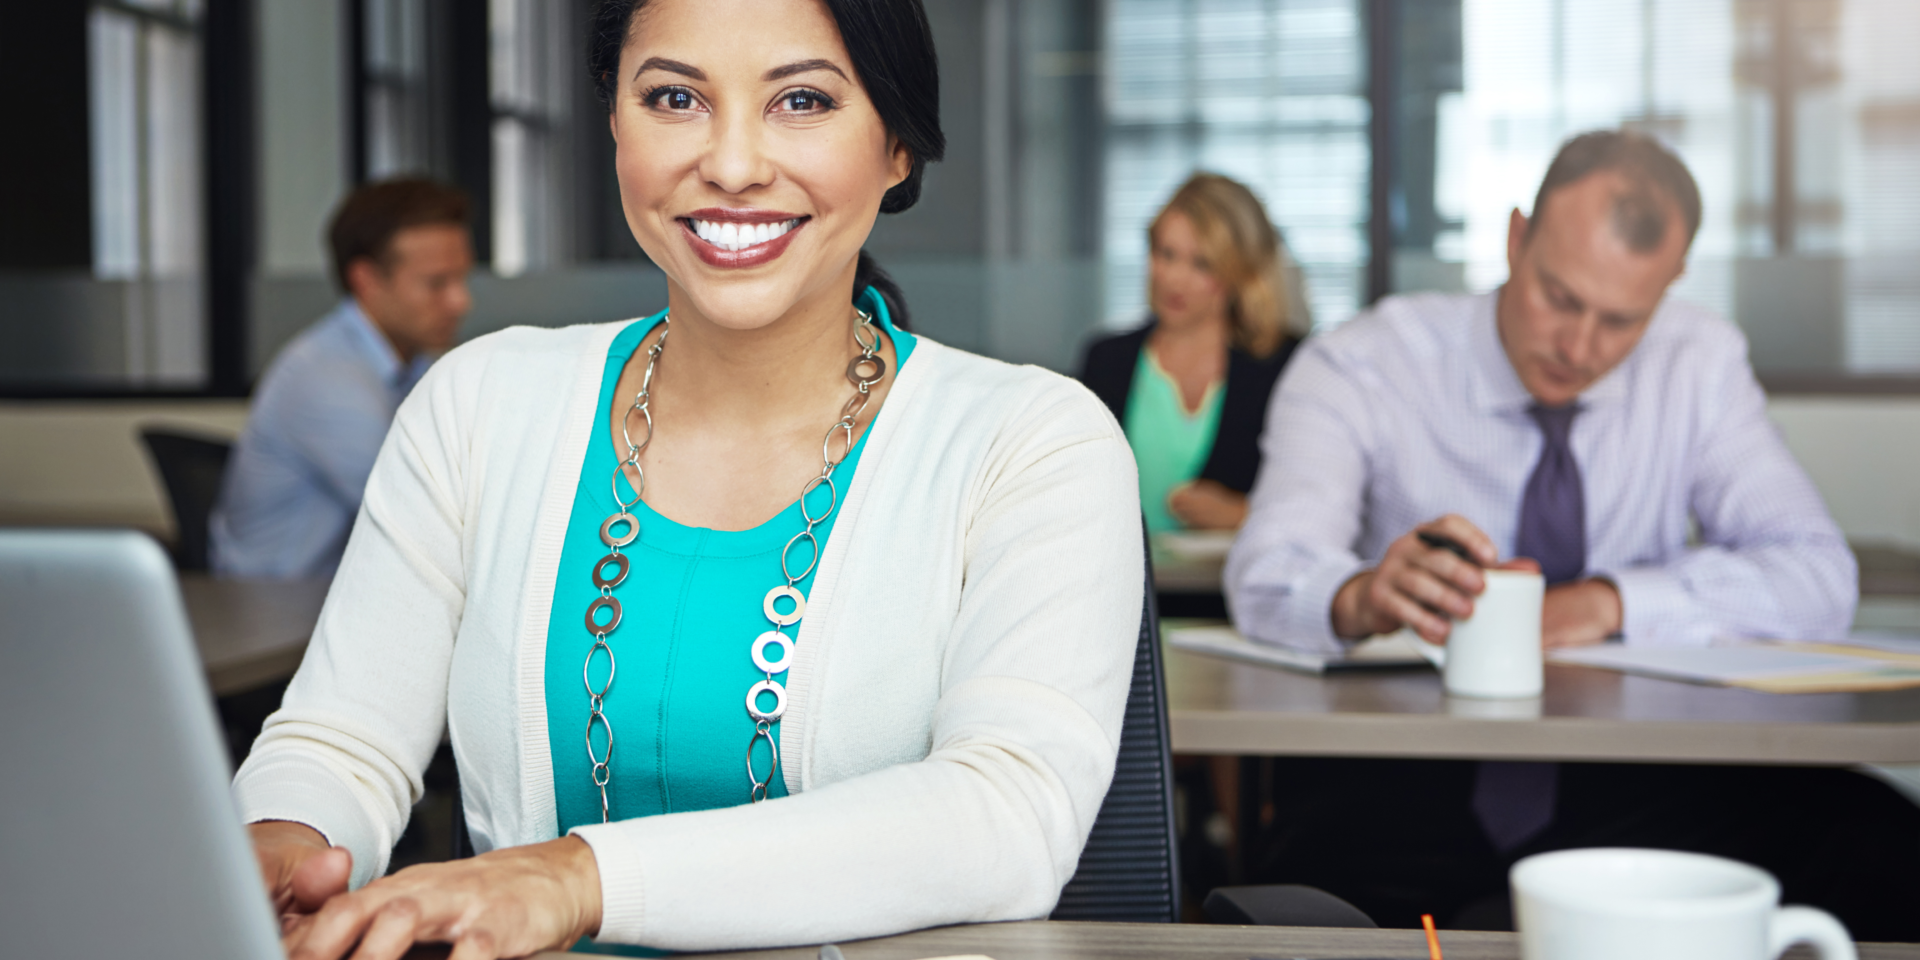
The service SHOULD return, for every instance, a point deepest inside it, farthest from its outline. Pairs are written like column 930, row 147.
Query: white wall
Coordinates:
column 1864, row 455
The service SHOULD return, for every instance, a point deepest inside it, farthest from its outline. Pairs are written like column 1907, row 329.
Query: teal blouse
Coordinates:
column 692, row 602
column 1169, row 443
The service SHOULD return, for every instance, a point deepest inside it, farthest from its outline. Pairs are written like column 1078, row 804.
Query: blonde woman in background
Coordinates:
column 1191, row 385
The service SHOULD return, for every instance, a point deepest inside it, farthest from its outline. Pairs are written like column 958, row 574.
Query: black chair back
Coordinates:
column 1129, row 870
column 191, row 468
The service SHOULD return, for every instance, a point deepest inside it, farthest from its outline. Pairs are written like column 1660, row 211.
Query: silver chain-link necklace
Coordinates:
column 864, row 371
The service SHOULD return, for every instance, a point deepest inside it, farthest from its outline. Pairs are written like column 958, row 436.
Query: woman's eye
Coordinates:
column 805, row 101
column 671, row 98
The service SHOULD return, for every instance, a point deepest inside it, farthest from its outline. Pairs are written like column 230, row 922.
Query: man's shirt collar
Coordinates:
column 377, row 349
column 366, row 337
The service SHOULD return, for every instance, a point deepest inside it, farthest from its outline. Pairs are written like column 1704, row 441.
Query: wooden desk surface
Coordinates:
column 1219, row 707
column 250, row 632
column 1045, row 940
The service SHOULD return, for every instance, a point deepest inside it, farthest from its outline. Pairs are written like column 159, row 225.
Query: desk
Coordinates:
column 250, row 632
column 1046, row 940
column 1223, row 708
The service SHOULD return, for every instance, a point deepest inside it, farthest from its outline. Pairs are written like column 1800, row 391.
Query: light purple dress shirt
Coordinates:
column 297, row 473
column 1412, row 410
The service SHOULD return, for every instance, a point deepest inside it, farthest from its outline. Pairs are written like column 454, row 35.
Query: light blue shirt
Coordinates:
column 1412, row 411
column 294, row 482
column 691, row 606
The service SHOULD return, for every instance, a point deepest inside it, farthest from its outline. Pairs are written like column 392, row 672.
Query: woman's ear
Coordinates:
column 900, row 160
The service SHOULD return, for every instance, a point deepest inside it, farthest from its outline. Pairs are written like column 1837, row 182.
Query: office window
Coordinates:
column 143, row 64
column 1270, row 92
column 476, row 95
column 400, row 120
column 1800, row 121
column 530, row 64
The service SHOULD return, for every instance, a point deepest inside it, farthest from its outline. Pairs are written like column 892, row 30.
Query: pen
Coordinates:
column 1448, row 544
column 1433, row 938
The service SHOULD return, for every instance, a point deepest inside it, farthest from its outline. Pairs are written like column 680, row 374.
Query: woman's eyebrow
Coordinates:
column 671, row 66
column 800, row 66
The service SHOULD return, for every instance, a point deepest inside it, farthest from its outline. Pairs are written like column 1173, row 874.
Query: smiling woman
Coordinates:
column 766, row 524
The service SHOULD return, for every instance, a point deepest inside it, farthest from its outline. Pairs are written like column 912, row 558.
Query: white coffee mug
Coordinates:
column 1607, row 903
column 1496, row 652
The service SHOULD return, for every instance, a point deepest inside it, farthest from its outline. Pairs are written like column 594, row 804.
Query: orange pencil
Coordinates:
column 1433, row 938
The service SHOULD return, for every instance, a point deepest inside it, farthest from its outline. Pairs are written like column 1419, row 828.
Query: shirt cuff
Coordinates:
column 1300, row 615
column 301, row 792
column 1655, row 609
column 623, row 889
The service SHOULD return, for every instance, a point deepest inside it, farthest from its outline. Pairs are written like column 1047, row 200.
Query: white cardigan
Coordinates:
column 955, row 700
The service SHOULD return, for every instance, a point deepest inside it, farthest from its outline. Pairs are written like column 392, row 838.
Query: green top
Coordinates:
column 692, row 605
column 1170, row 443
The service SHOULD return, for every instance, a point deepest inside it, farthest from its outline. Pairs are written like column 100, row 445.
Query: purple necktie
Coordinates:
column 1514, row 801
column 1553, row 512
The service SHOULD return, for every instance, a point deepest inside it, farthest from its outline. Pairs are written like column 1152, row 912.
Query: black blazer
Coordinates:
column 1107, row 370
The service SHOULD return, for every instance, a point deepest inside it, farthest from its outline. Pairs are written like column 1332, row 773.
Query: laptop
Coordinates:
column 118, row 833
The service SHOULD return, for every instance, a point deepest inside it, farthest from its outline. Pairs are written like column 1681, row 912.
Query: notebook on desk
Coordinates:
column 1220, row 640
column 1853, row 665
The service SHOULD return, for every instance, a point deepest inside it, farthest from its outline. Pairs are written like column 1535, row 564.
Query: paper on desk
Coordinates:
column 1223, row 641
column 1773, row 667
column 1196, row 545
column 1906, row 645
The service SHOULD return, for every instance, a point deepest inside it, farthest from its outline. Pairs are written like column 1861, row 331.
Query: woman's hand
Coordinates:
column 508, row 903
column 1207, row 505
column 300, row 870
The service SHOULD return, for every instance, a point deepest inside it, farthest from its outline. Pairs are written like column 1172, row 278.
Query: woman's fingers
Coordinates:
column 478, row 945
column 513, row 902
column 333, row 931
column 394, row 928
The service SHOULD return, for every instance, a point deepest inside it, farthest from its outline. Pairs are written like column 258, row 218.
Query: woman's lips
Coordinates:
column 750, row 256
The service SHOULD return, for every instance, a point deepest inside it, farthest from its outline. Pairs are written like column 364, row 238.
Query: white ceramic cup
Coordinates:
column 1607, row 903
column 1496, row 652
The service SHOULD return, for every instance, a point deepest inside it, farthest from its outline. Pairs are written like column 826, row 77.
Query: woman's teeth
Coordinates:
column 728, row 235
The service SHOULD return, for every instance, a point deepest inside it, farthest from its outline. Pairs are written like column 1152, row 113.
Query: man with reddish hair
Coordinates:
column 401, row 254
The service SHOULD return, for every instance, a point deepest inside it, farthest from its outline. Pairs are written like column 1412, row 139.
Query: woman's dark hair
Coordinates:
column 892, row 50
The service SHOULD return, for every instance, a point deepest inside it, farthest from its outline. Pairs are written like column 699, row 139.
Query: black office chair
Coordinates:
column 191, row 467
column 1129, row 868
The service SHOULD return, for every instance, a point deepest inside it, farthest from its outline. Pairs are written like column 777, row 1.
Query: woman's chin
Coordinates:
column 741, row 303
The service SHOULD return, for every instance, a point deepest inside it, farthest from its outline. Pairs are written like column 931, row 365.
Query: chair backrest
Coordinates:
column 1129, row 870
column 191, row 467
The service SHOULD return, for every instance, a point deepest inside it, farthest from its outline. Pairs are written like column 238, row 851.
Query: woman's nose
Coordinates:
column 736, row 156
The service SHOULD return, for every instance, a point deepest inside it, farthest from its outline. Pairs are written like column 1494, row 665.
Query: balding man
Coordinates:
column 1576, row 417
column 1580, row 419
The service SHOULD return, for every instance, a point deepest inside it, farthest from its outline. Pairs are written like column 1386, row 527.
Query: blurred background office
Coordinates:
column 161, row 239
column 172, row 164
